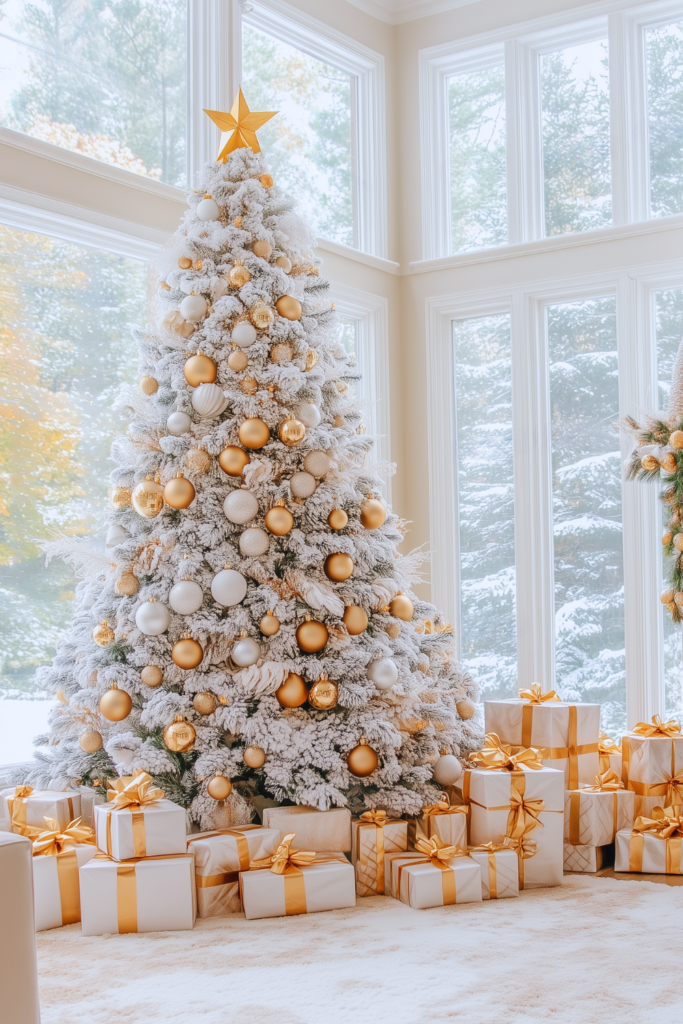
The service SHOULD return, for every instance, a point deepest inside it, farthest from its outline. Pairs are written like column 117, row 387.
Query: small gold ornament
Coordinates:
column 678, row 541
column 311, row 636
column 200, row 369
column 355, row 619
column 266, row 180
column 324, row 694
column 90, row 741
column 402, row 607
column 151, row 676
column 262, row 248
column 103, row 634
column 239, row 275
column 120, row 497
column 372, row 513
column 165, row 287
column 281, row 353
column 284, row 263
column 666, row 537
column 238, row 360
column 676, row 439
column 261, row 316
column 293, row 692
column 148, row 385
column 338, row 567
column 678, row 599
column 198, row 460
column 338, row 421
column 179, row 492
column 180, row 735
column 187, row 653
column 238, row 222
column 249, row 385
column 232, row 460
column 269, row 624
column 465, row 708
column 254, row 757
column 671, row 607
column 393, row 630
column 184, row 263
column 311, row 359
column 288, row 307
column 254, row 433
column 362, row 760
column 292, row 431
column 115, row 704
column 669, row 463
column 204, row 703
column 649, row 463
column 127, row 584
column 219, row 788
column 337, row 519
column 667, row 596
column 279, row 520
column 148, row 498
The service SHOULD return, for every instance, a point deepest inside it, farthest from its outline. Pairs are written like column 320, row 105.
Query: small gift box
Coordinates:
column 57, row 857
column 609, row 753
column 321, row 831
column 594, row 814
column 438, row 876
column 499, row 870
column 444, row 820
column 652, row 756
column 219, row 857
column 297, row 882
column 155, row 894
column 565, row 734
column 653, row 846
column 27, row 808
column 89, row 798
column 587, row 859
column 373, row 835
column 138, row 822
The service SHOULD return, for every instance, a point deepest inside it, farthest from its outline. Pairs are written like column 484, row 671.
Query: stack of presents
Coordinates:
column 548, row 793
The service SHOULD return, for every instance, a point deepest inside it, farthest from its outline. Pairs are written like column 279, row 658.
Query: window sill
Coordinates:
column 378, row 262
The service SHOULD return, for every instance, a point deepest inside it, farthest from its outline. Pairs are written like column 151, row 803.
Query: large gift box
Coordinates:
column 293, row 881
column 155, row 894
column 27, row 808
column 392, row 862
column 653, row 846
column 566, row 734
column 321, row 831
column 584, row 858
column 373, row 835
column 219, row 857
column 609, row 753
column 652, row 757
column 438, row 876
column 594, row 814
column 138, row 821
column 446, row 821
column 499, row 870
column 57, row 857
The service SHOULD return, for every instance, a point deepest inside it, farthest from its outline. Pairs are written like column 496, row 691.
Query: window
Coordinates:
column 107, row 79
column 65, row 348
column 348, row 336
column 664, row 51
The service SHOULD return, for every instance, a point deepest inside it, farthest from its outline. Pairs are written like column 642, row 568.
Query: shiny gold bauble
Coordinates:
column 281, row 353
column 219, row 788
column 402, row 607
column 362, row 760
column 200, row 369
column 666, row 537
column 288, row 307
column 669, row 463
column 103, row 634
column 279, row 520
column 238, row 360
column 338, row 567
column 355, row 619
column 232, row 459
column 269, row 624
column 115, row 704
column 311, row 636
column 179, row 492
column 148, row 385
column 148, row 498
column 254, row 757
column 323, row 695
column 204, row 703
column 184, row 262
column 372, row 513
column 293, row 692
column 120, row 497
column 311, row 359
column 261, row 317
column 678, row 541
column 649, row 463
column 254, row 433
column 239, row 275
column 266, row 180
column 127, row 584
column 465, row 708
column 90, row 741
column 152, row 676
column 179, row 736
column 292, row 431
column 262, row 248
column 676, row 439
column 187, row 653
column 337, row 519
column 198, row 460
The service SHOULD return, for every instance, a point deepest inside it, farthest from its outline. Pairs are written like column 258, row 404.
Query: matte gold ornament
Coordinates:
column 666, row 537
column 198, row 460
column 238, row 360
column 337, row 519
column 152, row 676
column 262, row 248
column 288, row 307
column 103, row 634
column 311, row 636
column 266, row 180
column 338, row 567
column 249, row 385
column 669, row 463
column 120, row 497
column 90, row 741
column 115, row 704
column 238, row 128
column 254, row 757
column 281, row 353
column 127, row 584
column 148, row 385
column 200, row 369
column 678, row 599
column 187, row 653
column 676, row 439
column 254, row 433
column 678, row 541
column 671, row 607
column 269, row 624
column 311, row 359
column 372, row 513
column 238, row 222
column 293, row 692
column 148, row 498
column 232, row 460
column 204, row 703
column 239, row 275
column 649, row 463
column 180, row 735
column 465, row 708
column 402, row 607
column 184, row 262
column 666, row 597
column 279, row 520
column 393, row 630
column 284, row 263
column 292, row 431
column 179, row 492
column 338, row 421
column 355, row 619
column 219, row 788
column 362, row 760
column 324, row 694
column 261, row 316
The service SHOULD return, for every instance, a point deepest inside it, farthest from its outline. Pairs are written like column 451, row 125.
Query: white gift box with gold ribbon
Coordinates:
column 580, row 857
column 594, row 814
column 373, row 835
column 219, row 857
column 156, row 894
column 138, row 821
column 56, row 888
column 392, row 862
column 499, row 870
column 653, row 765
column 321, row 831
column 654, row 845
column 609, row 753
column 25, row 806
column 437, row 876
column 89, row 798
column 442, row 819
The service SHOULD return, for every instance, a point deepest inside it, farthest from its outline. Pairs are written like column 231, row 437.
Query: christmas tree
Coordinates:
column 251, row 630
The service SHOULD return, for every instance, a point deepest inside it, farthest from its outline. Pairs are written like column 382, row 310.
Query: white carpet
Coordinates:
column 592, row 950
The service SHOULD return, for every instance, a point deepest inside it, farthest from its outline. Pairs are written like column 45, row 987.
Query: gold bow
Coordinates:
column 608, row 782
column 523, row 815
column 522, row 845
column 51, row 842
column 436, row 851
column 663, row 823
column 536, row 696
column 284, row 858
column 658, row 728
column 134, row 791
column 498, row 756
column 487, row 848
column 375, row 817
column 607, row 745
column 23, row 791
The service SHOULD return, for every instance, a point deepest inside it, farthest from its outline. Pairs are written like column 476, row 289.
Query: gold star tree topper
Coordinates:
column 239, row 127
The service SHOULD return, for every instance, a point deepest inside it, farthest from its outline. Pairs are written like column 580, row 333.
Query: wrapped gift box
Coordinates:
column 372, row 836
column 566, row 734
column 392, row 862
column 444, row 820
column 219, row 857
column 152, row 830
column 423, row 885
column 648, row 853
column 25, row 806
column 610, row 755
column 56, row 886
column 156, row 894
column 321, row 831
column 499, row 872
column 328, row 883
column 589, row 859
column 651, row 766
column 89, row 798
column 593, row 818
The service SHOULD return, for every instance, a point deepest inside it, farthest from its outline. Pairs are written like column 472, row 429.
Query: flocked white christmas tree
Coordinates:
column 252, row 625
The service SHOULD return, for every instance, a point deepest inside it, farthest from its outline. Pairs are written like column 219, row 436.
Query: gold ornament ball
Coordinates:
column 678, row 599
column 219, row 788
column 362, row 760
column 200, row 369
column 152, row 676
column 279, row 521
column 120, row 497
column 148, row 385
column 671, row 607
column 254, row 757
column 293, row 692
column 254, row 433
column 148, row 498
column 649, row 463
column 284, row 263
column 90, row 741
column 198, row 460
column 678, row 541
column 676, row 439
column 281, row 353
column 115, row 704
column 465, row 708
column 669, row 463
column 323, row 695
column 355, row 619
column 239, row 275
column 311, row 636
column 179, row 492
column 666, row 597
column 402, row 608
column 261, row 317
column 103, row 634
column 262, row 248
column 372, row 513
column 180, row 735
column 338, row 567
column 337, row 519
column 127, row 584
column 238, row 360
column 666, row 537
column 232, row 459
column 249, row 385
column 184, row 262
column 266, row 180
column 292, row 431
column 204, row 703
column 187, row 653
column 269, row 624
column 288, row 307
column 393, row 630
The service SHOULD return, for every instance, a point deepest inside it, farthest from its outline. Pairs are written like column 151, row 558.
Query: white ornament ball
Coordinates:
column 308, row 413
column 447, row 770
column 193, row 307
column 302, row 485
column 254, row 542
column 209, row 400
column 186, row 597
column 240, row 507
column 123, row 755
column 228, row 587
column 208, row 209
column 246, row 652
column 152, row 618
column 116, row 534
column 243, row 334
column 383, row 673
column 317, row 463
column 178, row 423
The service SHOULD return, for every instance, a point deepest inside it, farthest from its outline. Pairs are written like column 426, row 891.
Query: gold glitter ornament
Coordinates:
column 669, row 463
column 355, row 619
column 269, row 624
column 678, row 541
column 148, row 385
column 127, row 584
column 288, row 307
column 103, row 634
column 115, row 704
column 253, row 756
column 200, row 369
column 393, row 630
column 179, row 492
column 324, row 694
column 465, row 708
column 362, row 760
column 198, row 460
column 649, row 463
column 676, row 439
column 281, row 353
column 293, row 692
column 219, row 788
column 238, row 360
column 232, row 460
column 148, row 498
column 120, row 497
column 239, row 275
column 152, row 676
column 254, row 433
column 291, row 431
column 179, row 736
column 204, row 703
column 249, row 385
column 261, row 316
column 90, row 741
column 666, row 537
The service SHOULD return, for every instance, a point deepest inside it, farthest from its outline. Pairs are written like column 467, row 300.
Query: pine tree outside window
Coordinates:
column 664, row 54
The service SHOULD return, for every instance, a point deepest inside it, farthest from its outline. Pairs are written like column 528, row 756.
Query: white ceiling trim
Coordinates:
column 397, row 12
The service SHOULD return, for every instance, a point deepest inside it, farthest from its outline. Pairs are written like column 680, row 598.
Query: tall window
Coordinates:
column 664, row 50
column 102, row 77
column 483, row 389
column 65, row 348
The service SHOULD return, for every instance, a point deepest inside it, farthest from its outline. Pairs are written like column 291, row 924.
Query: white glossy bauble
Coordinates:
column 302, row 485
column 178, row 423
column 209, row 400
column 308, row 413
column 383, row 673
column 246, row 652
column 186, row 597
column 447, row 770
column 193, row 307
column 240, row 507
column 243, row 334
column 152, row 618
column 228, row 587
column 317, row 463
column 116, row 534
column 208, row 209
column 254, row 542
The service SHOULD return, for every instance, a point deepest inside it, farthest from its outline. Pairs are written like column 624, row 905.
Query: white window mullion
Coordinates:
column 523, row 144
column 628, row 121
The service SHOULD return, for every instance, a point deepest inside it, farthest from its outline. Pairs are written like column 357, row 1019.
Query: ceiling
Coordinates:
column 395, row 12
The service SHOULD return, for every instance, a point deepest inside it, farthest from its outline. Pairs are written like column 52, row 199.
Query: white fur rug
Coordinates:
column 590, row 951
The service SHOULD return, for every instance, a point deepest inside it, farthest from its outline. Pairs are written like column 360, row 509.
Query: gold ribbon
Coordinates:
column 442, row 806
column 672, row 788
column 242, row 846
column 436, row 853
column 126, row 888
column 498, row 756
column 665, row 825
column 132, row 793
column 209, row 881
column 53, row 842
column 606, row 747
column 524, row 848
column 536, row 696
column 523, row 813
column 376, row 820
column 491, row 849
column 658, row 728
column 608, row 782
column 17, row 808
column 571, row 752
column 288, row 862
